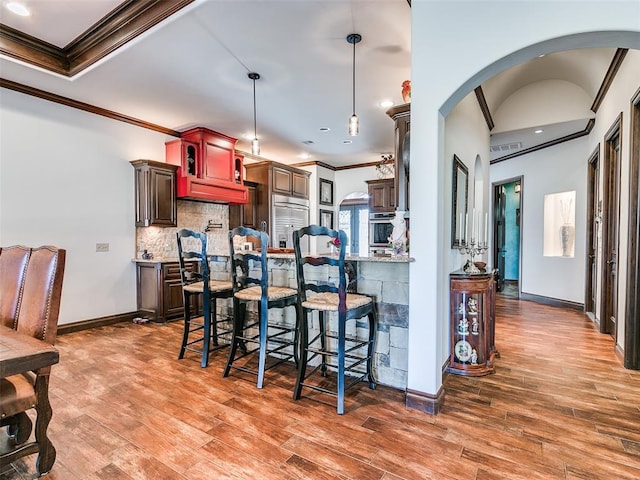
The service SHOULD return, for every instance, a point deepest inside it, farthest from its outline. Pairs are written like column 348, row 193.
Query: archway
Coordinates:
column 431, row 102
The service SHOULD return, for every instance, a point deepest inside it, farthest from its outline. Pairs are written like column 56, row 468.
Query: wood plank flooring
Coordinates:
column 560, row 406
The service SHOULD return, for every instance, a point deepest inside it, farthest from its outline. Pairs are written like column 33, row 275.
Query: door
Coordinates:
column 610, row 231
column 593, row 219
column 353, row 219
column 499, row 247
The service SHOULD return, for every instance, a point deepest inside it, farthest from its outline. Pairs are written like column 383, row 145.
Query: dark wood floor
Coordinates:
column 559, row 406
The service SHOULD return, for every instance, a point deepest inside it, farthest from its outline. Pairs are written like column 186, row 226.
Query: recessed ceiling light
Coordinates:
column 248, row 136
column 308, row 142
column 324, row 129
column 347, row 142
column 304, row 155
column 18, row 9
column 540, row 56
column 538, row 131
column 386, row 103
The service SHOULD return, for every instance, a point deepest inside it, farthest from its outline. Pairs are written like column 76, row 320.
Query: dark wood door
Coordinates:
column 499, row 248
column 593, row 222
column 610, row 233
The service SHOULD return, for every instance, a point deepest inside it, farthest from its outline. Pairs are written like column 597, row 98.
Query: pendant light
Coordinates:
column 354, row 126
column 255, row 144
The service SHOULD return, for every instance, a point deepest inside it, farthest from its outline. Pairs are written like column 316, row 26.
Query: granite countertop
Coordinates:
column 284, row 256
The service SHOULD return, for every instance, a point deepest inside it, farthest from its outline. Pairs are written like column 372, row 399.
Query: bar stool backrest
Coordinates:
column 192, row 245
column 339, row 239
column 244, row 272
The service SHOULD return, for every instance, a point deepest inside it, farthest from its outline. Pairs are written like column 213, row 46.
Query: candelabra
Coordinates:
column 472, row 249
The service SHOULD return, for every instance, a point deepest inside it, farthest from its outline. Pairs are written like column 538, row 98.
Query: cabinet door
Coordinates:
column 379, row 197
column 300, row 187
column 282, row 181
column 141, row 195
column 162, row 187
column 218, row 164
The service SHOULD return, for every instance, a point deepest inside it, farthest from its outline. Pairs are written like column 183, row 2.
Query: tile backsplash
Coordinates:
column 161, row 241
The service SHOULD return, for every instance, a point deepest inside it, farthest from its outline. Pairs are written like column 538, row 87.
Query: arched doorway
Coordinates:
column 428, row 285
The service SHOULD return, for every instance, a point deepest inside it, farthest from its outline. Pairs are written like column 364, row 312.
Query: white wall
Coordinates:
column 467, row 136
column 452, row 37
column 353, row 180
column 560, row 168
column 65, row 180
column 544, row 102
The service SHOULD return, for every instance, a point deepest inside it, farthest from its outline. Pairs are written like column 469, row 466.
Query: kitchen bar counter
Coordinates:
column 216, row 257
column 385, row 278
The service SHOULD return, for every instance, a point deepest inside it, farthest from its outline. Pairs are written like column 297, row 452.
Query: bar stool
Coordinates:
column 272, row 339
column 326, row 297
column 193, row 283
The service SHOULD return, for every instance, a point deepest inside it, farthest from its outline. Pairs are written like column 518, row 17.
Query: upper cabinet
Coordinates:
column 155, row 193
column 401, row 115
column 208, row 167
column 280, row 179
column 382, row 195
column 288, row 181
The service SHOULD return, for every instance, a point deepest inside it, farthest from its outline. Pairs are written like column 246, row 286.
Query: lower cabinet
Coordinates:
column 159, row 290
column 472, row 325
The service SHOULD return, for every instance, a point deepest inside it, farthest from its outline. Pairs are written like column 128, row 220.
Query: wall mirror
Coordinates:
column 459, row 208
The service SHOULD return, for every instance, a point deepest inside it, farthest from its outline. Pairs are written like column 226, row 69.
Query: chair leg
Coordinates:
column 239, row 310
column 373, row 323
column 322, row 324
column 303, row 340
column 20, row 427
column 214, row 321
column 341, row 352
column 263, row 315
column 187, row 323
column 206, row 332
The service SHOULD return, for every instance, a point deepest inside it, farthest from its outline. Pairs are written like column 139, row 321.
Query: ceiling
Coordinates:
column 191, row 70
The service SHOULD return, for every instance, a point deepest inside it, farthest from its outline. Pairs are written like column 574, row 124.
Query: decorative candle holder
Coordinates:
column 472, row 249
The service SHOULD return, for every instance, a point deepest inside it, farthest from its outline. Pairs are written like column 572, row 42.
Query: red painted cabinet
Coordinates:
column 208, row 169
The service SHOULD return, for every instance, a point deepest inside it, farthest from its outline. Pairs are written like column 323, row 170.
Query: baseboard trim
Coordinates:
column 95, row 322
column 425, row 402
column 554, row 302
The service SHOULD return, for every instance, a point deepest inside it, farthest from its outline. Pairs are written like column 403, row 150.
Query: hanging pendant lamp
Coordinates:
column 255, row 144
column 354, row 123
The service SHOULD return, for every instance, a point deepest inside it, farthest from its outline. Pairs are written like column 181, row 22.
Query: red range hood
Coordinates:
column 208, row 167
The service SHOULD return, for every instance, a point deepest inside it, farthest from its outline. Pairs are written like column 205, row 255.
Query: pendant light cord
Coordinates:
column 255, row 128
column 354, row 77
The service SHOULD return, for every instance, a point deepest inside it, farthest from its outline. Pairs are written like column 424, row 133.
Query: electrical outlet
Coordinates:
column 102, row 247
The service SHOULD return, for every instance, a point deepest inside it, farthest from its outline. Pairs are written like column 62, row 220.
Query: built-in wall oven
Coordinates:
column 380, row 228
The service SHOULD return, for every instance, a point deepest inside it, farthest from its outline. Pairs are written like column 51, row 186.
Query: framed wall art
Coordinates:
column 326, row 218
column 326, row 192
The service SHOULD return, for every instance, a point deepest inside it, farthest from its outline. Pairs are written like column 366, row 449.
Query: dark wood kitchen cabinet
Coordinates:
column 382, row 195
column 401, row 116
column 246, row 215
column 159, row 290
column 155, row 194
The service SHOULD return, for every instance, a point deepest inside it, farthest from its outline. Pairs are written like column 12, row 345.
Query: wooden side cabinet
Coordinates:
column 155, row 194
column 472, row 325
column 382, row 195
column 159, row 290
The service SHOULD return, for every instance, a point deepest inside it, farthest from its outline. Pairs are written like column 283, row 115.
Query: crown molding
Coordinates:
column 69, row 102
column 119, row 27
column 618, row 57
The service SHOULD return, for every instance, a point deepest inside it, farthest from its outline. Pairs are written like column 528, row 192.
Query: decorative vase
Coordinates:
column 566, row 238
column 406, row 91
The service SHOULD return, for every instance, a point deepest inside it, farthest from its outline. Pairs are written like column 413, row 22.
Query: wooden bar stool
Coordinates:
column 325, row 297
column 273, row 341
column 193, row 283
